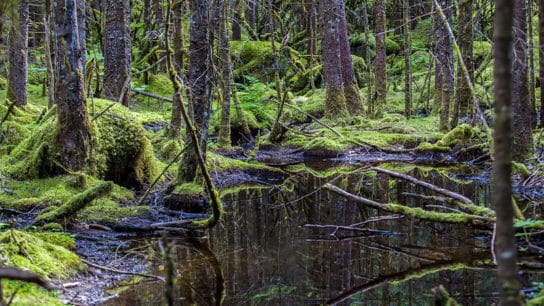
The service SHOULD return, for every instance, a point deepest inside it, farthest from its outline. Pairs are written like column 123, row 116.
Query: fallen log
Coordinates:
column 25, row 276
column 414, row 212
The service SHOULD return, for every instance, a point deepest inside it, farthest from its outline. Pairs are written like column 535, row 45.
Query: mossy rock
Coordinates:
column 323, row 147
column 188, row 197
column 429, row 147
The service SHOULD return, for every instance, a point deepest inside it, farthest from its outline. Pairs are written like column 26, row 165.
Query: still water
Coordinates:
column 299, row 244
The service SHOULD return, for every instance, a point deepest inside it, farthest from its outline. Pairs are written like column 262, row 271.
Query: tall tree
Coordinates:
column 351, row 88
column 444, row 47
column 177, row 19
column 200, row 94
column 18, row 56
column 73, row 133
column 335, row 101
column 501, row 188
column 523, row 134
column 407, row 61
column 541, row 57
column 236, row 19
column 465, row 40
column 117, row 52
column 224, row 126
column 380, row 63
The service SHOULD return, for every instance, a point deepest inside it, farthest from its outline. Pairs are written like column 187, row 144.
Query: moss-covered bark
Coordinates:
column 335, row 102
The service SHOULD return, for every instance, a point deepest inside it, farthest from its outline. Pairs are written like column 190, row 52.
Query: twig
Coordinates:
column 120, row 271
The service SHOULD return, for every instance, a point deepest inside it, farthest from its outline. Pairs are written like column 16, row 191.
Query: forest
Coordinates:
column 265, row 152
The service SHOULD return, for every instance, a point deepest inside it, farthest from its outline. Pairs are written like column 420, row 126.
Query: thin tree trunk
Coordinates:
column 501, row 189
column 381, row 73
column 236, row 19
column 531, row 57
column 73, row 134
column 277, row 129
column 49, row 57
column 178, row 43
column 224, row 126
column 407, row 62
column 312, row 40
column 523, row 132
column 465, row 34
column 369, row 79
column 18, row 56
column 541, row 58
column 446, row 58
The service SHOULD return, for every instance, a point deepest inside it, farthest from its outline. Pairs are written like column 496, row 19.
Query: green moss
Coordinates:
column 419, row 213
column 76, row 203
column 520, row 169
column 46, row 254
column 537, row 300
column 191, row 189
column 335, row 102
column 12, row 134
column 459, row 135
column 109, row 211
column 425, row 147
column 53, row 226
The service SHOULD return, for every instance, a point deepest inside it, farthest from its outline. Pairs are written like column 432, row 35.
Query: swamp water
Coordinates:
column 280, row 245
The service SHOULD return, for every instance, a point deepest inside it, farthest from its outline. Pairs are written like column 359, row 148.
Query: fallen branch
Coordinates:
column 120, row 271
column 148, row 94
column 414, row 212
column 25, row 276
column 76, row 203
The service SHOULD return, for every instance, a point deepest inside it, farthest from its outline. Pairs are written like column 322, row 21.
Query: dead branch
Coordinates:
column 25, row 276
column 94, row 265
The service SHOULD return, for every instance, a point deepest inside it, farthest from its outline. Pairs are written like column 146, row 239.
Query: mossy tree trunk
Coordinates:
column 351, row 88
column 312, row 39
column 236, row 19
column 501, row 188
column 158, row 8
column 541, row 57
column 531, row 58
column 465, row 39
column 178, row 42
column 224, row 126
column 73, row 132
column 335, row 101
column 117, row 52
column 523, row 133
column 18, row 55
column 407, row 63
column 380, row 63
column 200, row 95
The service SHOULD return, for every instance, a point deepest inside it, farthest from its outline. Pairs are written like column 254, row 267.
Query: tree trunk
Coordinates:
column 312, row 40
column 236, row 19
column 465, row 40
column 335, row 101
column 541, row 58
column 523, row 133
column 48, row 50
column 199, row 110
column 501, row 189
column 117, row 52
column 531, row 58
column 351, row 88
column 178, row 65
column 73, row 133
column 18, row 56
column 445, row 57
column 224, row 126
column 380, row 69
column 251, row 13
column 82, row 29
column 407, row 62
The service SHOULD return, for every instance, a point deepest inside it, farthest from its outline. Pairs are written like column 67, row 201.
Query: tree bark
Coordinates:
column 224, row 126
column 335, row 101
column 523, row 132
column 199, row 110
column 351, row 88
column 501, row 188
column 445, row 57
column 178, row 43
column 73, row 133
column 407, row 62
column 465, row 40
column 117, row 52
column 541, row 57
column 236, row 19
column 380, row 69
column 18, row 56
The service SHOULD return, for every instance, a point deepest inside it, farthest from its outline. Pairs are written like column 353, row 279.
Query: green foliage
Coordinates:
column 461, row 134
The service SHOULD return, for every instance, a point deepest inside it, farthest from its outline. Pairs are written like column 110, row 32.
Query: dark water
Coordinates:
column 280, row 245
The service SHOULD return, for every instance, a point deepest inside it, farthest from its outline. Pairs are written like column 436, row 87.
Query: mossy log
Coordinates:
column 415, row 212
column 76, row 203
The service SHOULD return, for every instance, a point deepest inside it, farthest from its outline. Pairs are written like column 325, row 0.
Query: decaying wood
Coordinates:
column 25, row 276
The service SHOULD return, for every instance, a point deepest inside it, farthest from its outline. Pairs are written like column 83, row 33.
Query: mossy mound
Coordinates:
column 462, row 134
column 120, row 150
column 46, row 254
column 188, row 197
column 323, row 147
column 12, row 134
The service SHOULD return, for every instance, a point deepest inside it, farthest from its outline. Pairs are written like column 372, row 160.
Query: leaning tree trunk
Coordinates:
column 117, row 52
column 465, row 40
column 18, row 56
column 335, row 101
column 523, row 133
column 351, row 88
column 380, row 64
column 501, row 189
column 73, row 133
column 199, row 59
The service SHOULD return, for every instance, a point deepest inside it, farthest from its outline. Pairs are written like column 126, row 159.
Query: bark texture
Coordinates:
column 199, row 110
column 380, row 69
column 117, row 51
column 335, row 101
column 541, row 57
column 73, row 134
column 177, row 19
column 444, row 55
column 501, row 188
column 465, row 40
column 224, row 126
column 523, row 134
column 18, row 58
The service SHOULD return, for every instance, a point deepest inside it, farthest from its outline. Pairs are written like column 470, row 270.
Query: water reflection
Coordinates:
column 284, row 246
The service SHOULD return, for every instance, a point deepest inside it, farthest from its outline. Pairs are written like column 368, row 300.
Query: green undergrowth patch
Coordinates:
column 322, row 173
column 217, row 163
column 47, row 254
